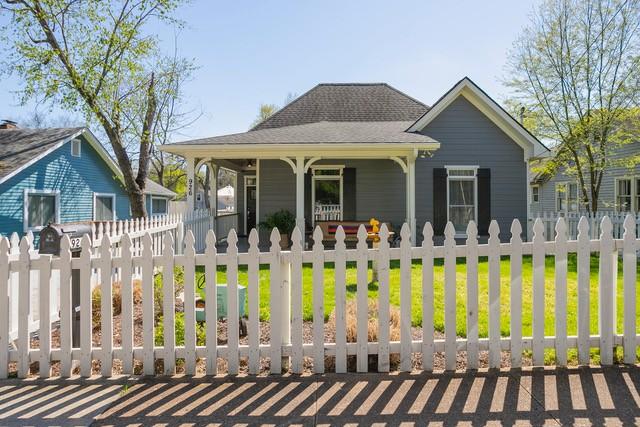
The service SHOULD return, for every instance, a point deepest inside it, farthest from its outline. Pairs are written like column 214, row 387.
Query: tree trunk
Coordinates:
column 137, row 203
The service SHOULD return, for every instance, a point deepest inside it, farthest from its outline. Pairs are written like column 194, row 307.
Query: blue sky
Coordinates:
column 253, row 52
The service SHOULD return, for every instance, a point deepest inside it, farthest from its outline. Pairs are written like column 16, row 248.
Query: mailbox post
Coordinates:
column 50, row 239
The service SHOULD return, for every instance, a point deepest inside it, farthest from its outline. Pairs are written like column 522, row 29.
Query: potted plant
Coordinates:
column 284, row 221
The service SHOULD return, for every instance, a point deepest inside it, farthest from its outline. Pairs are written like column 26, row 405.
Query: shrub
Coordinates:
column 116, row 291
column 372, row 332
column 159, row 331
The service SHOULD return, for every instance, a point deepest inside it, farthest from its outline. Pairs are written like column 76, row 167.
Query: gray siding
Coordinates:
column 468, row 137
column 380, row 188
column 606, row 199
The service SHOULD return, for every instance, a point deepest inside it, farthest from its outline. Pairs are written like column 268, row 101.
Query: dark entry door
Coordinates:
column 251, row 203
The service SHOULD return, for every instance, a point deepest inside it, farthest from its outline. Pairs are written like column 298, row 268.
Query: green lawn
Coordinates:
column 416, row 274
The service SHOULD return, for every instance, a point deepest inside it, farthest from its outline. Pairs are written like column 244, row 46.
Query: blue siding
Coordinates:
column 76, row 178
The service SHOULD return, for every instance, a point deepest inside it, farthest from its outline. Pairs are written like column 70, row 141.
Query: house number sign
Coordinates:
column 190, row 187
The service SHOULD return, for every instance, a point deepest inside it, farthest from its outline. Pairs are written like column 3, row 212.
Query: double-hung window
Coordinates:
column 159, row 206
column 624, row 194
column 567, row 197
column 40, row 208
column 104, row 207
column 462, row 190
column 535, row 194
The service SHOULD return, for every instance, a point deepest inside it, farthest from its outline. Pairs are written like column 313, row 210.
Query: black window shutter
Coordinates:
column 349, row 194
column 439, row 200
column 484, row 201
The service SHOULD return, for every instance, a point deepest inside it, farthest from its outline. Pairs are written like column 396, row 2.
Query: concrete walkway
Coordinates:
column 581, row 396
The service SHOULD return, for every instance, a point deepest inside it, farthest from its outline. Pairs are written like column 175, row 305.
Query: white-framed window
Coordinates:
column 637, row 193
column 625, row 194
column 567, row 197
column 76, row 147
column 159, row 205
column 104, row 207
column 535, row 194
column 40, row 207
column 326, row 192
column 462, row 196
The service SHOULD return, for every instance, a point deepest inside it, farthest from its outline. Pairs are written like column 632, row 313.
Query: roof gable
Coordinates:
column 490, row 108
column 346, row 102
column 21, row 148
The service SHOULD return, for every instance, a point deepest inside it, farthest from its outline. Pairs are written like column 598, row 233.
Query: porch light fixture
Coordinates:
column 423, row 154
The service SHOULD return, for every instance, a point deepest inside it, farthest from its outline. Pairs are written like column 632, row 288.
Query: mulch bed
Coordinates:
column 439, row 361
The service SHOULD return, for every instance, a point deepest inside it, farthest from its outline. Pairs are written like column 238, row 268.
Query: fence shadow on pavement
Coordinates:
column 581, row 396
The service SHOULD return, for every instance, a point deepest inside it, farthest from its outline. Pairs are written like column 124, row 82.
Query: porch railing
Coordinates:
column 200, row 221
column 285, row 301
column 327, row 212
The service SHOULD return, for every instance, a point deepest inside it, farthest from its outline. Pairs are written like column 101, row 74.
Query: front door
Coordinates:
column 250, row 202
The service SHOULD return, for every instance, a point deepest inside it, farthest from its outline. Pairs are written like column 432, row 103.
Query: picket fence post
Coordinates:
column 538, row 259
column 383, row 299
column 494, row 295
column 629, row 269
column 606, row 289
column 275, row 305
column 318, row 301
column 450, row 333
column 561, row 292
column 211, row 306
column 427, row 298
column 296, row 300
column 472, row 295
column 4, row 307
column 405, row 298
column 341, row 301
column 189, row 302
column 362, row 303
column 515, row 260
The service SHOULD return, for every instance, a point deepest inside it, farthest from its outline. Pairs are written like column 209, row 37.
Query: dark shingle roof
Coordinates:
column 348, row 102
column 19, row 146
column 322, row 133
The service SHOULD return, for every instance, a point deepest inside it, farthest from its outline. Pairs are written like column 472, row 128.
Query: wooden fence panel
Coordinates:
column 405, row 298
column 561, row 292
column 382, row 265
column 584, row 276
column 362, row 288
column 538, row 293
column 428, row 347
column 629, row 269
column 341, row 301
column 515, row 260
column 494, row 295
column 211, row 306
column 275, row 305
column 296, row 302
column 450, row 333
column 232, row 304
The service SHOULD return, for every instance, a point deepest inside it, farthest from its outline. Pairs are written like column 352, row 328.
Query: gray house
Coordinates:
column 356, row 151
column 560, row 193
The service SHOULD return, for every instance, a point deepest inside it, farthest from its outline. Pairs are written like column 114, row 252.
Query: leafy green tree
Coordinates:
column 264, row 112
column 96, row 58
column 575, row 71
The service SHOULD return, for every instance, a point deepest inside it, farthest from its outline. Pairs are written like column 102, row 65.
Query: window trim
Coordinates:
column 532, row 201
column 339, row 177
column 166, row 200
column 633, row 194
column 566, row 196
column 113, row 197
column 25, row 206
column 77, row 143
column 473, row 178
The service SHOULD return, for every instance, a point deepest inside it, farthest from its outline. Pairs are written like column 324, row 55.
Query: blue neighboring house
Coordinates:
column 62, row 175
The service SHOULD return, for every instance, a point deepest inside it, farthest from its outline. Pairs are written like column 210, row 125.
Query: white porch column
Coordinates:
column 191, row 184
column 300, row 193
column 411, row 196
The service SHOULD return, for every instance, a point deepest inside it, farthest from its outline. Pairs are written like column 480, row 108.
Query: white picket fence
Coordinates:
column 200, row 221
column 573, row 218
column 286, row 302
column 136, row 229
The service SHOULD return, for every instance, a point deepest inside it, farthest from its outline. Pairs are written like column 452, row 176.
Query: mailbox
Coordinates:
column 51, row 236
column 50, row 239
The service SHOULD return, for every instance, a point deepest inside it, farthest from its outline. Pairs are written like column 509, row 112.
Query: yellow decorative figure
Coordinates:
column 375, row 229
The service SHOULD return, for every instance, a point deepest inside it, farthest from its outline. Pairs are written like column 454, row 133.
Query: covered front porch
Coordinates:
column 317, row 171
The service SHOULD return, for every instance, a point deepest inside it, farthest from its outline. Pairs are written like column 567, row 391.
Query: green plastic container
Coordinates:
column 221, row 293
